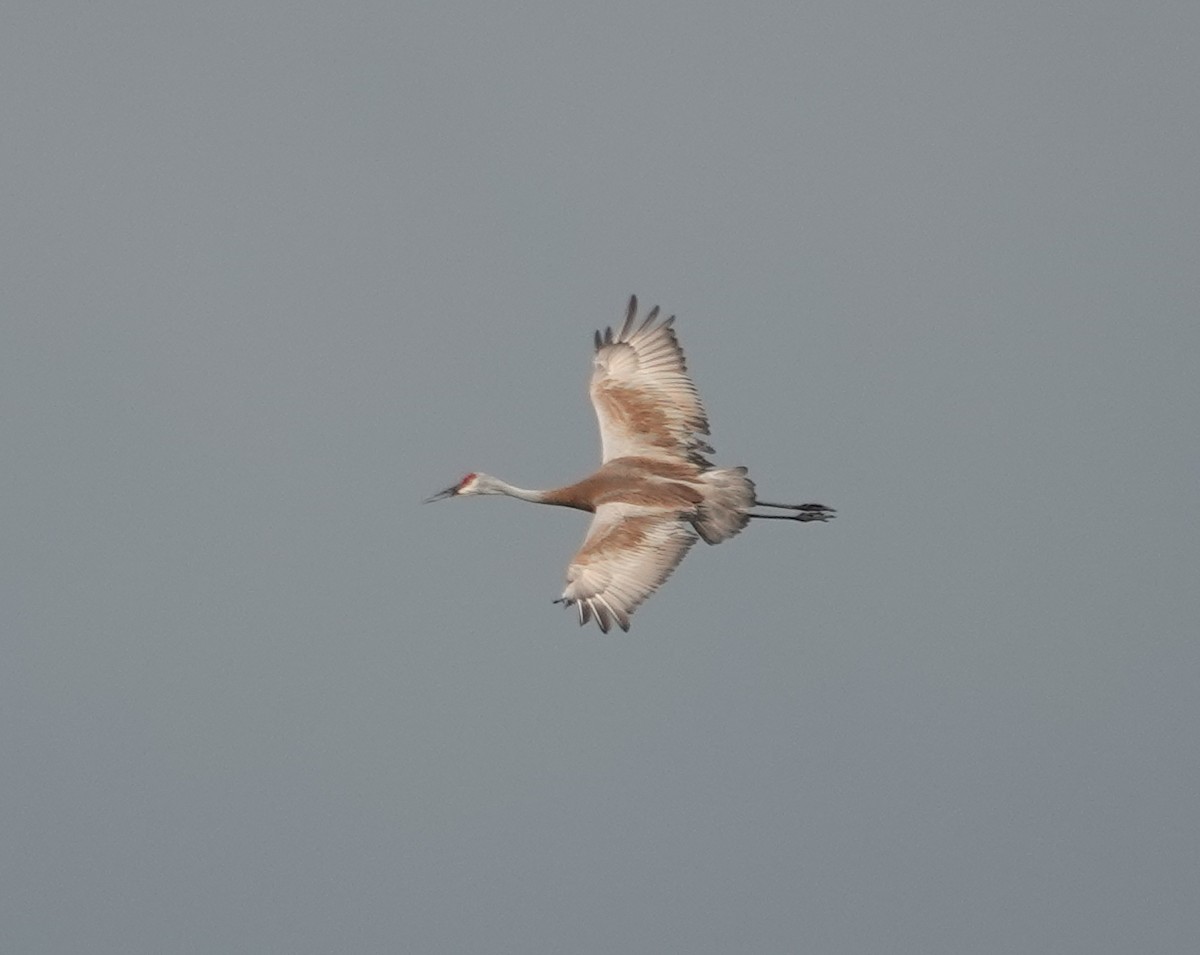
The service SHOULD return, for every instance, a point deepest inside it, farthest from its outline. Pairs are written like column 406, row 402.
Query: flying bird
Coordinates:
column 655, row 493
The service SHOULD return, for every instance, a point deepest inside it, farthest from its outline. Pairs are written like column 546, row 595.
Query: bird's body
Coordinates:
column 655, row 493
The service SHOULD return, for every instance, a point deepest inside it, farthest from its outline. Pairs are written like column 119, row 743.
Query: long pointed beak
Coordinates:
column 441, row 495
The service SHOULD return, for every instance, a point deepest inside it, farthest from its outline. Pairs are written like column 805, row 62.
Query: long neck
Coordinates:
column 520, row 493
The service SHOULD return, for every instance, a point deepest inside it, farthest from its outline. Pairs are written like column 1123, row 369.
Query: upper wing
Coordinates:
column 628, row 552
column 646, row 403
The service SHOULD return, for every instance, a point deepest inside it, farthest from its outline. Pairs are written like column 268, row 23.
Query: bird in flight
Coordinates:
column 655, row 493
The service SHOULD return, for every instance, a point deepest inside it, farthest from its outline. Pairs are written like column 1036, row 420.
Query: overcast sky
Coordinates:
column 274, row 272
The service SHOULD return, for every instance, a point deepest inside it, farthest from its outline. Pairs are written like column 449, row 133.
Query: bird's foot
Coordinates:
column 813, row 512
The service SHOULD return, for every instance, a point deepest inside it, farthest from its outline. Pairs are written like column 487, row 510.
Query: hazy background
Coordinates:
column 274, row 272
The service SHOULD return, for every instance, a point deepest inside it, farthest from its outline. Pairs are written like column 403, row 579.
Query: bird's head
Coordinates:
column 470, row 484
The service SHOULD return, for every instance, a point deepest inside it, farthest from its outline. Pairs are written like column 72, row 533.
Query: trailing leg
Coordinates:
column 804, row 512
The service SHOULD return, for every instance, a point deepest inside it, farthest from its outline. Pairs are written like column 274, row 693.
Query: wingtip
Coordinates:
column 630, row 315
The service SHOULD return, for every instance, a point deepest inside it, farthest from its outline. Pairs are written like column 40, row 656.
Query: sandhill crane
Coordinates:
column 655, row 492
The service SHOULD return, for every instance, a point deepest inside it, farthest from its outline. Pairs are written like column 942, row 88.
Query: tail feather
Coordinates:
column 726, row 506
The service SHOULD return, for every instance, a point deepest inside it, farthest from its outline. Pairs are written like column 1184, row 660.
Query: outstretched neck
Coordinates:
column 496, row 486
column 523, row 494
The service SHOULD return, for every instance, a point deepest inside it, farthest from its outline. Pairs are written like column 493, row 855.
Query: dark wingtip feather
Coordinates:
column 628, row 323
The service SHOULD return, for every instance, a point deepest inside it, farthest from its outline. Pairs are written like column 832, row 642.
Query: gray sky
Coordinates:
column 276, row 272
